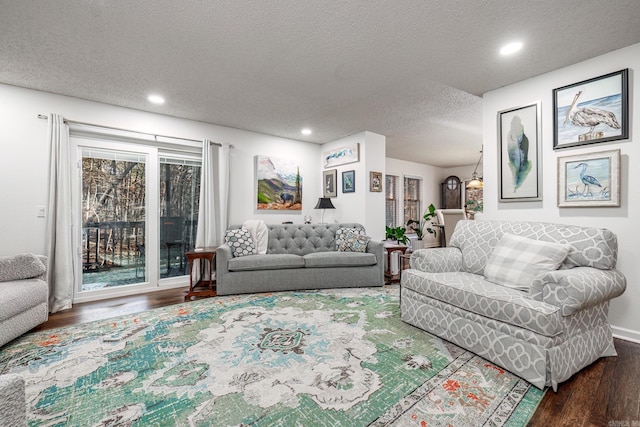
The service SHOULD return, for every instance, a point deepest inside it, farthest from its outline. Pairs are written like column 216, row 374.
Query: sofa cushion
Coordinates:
column 266, row 262
column 21, row 266
column 354, row 242
column 240, row 242
column 473, row 293
column 517, row 260
column 339, row 259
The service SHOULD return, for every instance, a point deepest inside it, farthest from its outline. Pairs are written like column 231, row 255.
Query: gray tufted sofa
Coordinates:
column 299, row 256
column 544, row 335
column 24, row 294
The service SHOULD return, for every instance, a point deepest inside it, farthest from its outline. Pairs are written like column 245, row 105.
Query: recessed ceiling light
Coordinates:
column 156, row 99
column 306, row 131
column 511, row 48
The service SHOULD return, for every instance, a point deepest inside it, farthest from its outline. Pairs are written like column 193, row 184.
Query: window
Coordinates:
column 411, row 199
column 391, row 200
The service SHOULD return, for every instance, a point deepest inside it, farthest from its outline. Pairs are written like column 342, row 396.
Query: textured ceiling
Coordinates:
column 412, row 70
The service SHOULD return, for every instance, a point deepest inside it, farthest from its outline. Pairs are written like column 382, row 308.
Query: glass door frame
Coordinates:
column 152, row 221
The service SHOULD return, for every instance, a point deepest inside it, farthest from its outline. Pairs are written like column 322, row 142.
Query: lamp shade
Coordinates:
column 324, row 203
column 475, row 183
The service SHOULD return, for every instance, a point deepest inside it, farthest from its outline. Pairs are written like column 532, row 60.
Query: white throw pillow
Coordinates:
column 516, row 260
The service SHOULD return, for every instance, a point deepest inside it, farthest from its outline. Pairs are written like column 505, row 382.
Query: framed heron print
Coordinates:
column 589, row 179
column 519, row 157
column 591, row 111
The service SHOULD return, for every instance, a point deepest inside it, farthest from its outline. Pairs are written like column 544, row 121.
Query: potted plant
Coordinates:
column 396, row 234
column 422, row 225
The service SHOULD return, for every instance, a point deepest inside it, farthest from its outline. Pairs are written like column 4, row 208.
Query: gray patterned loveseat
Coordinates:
column 531, row 297
column 301, row 256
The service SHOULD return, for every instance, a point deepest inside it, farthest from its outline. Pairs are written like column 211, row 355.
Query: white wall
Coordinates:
column 624, row 314
column 362, row 206
column 24, row 160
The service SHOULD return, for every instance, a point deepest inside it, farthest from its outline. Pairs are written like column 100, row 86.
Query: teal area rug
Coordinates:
column 326, row 358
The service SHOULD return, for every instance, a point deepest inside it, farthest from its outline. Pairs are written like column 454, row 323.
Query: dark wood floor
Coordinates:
column 607, row 393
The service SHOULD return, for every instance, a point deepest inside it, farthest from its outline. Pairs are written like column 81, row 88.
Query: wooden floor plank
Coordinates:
column 604, row 394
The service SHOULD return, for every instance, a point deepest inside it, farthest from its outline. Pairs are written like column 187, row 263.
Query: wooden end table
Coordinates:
column 201, row 286
column 390, row 248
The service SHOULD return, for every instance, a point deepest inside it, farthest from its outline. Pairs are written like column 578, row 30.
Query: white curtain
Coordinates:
column 58, row 243
column 214, row 195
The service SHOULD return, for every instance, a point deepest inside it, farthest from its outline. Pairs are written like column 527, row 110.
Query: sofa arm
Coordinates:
column 13, row 404
column 223, row 255
column 577, row 288
column 377, row 248
column 436, row 260
column 20, row 267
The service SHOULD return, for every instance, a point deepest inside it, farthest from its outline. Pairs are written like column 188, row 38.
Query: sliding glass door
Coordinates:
column 179, row 195
column 137, row 207
column 114, row 188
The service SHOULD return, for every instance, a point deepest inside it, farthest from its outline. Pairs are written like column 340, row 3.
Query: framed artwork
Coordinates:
column 591, row 111
column 589, row 179
column 349, row 181
column 278, row 183
column 520, row 154
column 375, row 182
column 341, row 156
column 329, row 186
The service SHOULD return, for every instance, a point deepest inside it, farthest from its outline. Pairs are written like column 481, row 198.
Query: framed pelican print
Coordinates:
column 520, row 154
column 591, row 111
column 589, row 179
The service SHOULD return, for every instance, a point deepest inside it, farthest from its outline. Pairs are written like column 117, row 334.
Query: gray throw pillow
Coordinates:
column 240, row 242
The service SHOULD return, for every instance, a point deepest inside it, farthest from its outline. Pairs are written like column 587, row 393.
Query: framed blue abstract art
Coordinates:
column 520, row 155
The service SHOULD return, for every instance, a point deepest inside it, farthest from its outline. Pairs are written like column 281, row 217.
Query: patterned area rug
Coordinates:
column 326, row 358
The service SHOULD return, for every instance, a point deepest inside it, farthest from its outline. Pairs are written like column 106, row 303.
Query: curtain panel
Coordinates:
column 59, row 226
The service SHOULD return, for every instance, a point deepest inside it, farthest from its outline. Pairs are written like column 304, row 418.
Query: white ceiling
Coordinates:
column 412, row 70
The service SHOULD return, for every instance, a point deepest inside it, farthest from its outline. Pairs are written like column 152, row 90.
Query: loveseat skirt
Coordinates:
column 541, row 360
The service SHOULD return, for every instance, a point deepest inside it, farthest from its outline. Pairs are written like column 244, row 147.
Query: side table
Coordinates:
column 203, row 285
column 391, row 248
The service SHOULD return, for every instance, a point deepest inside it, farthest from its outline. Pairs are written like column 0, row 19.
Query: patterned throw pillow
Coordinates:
column 240, row 242
column 354, row 242
column 516, row 260
column 341, row 234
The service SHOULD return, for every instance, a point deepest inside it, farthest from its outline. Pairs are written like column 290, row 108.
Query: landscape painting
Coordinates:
column 342, row 155
column 279, row 184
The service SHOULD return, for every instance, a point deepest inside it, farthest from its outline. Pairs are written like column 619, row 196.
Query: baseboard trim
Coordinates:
column 626, row 334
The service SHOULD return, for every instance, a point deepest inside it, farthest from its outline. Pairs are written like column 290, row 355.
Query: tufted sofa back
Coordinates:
column 590, row 247
column 302, row 239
